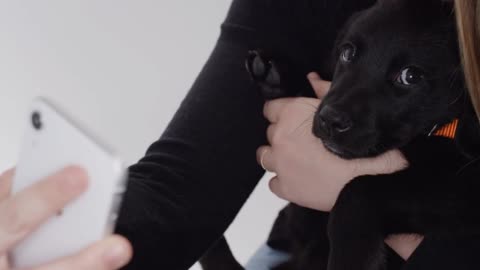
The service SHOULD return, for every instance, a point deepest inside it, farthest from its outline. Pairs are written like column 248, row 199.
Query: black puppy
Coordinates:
column 397, row 84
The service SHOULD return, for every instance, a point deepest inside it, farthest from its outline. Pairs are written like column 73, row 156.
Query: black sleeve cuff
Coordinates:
column 459, row 253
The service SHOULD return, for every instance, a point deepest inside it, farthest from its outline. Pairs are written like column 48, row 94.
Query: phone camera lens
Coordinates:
column 36, row 120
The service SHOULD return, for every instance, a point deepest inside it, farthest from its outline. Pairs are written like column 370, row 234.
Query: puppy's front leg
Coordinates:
column 354, row 230
column 416, row 200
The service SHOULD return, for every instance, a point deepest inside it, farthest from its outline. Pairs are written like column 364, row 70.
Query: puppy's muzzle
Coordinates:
column 332, row 121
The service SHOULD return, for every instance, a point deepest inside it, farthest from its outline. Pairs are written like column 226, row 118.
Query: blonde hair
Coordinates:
column 468, row 21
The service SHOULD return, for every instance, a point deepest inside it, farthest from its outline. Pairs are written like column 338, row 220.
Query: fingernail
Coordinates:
column 116, row 256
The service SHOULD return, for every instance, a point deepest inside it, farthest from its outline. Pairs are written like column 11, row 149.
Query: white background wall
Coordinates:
column 122, row 68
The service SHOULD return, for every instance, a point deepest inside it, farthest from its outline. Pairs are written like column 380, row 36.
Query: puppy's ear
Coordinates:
column 425, row 6
column 468, row 133
column 448, row 7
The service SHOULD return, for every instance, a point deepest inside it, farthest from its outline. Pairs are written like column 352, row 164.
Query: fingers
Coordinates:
column 277, row 188
column 273, row 109
column 272, row 133
column 27, row 209
column 386, row 163
column 5, row 188
column 6, row 184
column 4, row 265
column 265, row 158
column 320, row 86
column 111, row 253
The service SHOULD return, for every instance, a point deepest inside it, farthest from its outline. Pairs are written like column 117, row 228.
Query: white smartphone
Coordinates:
column 51, row 142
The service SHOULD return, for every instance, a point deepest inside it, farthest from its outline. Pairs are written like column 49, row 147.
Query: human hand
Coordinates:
column 23, row 212
column 306, row 173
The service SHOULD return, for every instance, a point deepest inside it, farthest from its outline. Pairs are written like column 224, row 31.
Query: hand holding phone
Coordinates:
column 20, row 214
column 53, row 141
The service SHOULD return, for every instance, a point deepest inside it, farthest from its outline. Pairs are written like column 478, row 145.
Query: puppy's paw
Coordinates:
column 265, row 72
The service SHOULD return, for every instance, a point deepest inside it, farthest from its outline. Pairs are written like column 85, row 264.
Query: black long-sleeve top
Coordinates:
column 192, row 182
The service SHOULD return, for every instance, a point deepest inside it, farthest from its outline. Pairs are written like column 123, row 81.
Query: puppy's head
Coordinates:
column 397, row 75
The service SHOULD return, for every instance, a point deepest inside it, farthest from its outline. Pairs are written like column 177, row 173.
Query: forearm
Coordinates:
column 191, row 183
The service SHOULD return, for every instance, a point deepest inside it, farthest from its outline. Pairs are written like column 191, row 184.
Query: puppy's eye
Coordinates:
column 410, row 76
column 348, row 52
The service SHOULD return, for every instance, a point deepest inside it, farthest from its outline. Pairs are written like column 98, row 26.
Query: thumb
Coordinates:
column 320, row 86
column 386, row 163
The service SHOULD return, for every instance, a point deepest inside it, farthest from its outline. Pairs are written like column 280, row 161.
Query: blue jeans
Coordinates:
column 266, row 258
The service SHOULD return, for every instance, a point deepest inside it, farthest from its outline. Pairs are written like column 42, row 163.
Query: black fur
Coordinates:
column 370, row 110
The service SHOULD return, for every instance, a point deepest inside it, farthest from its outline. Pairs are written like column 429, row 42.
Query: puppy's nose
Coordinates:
column 334, row 121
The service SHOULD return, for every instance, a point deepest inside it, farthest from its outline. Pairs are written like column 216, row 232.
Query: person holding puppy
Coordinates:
column 179, row 200
column 194, row 206
column 304, row 178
